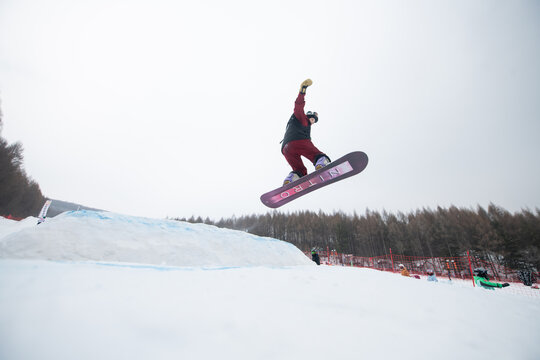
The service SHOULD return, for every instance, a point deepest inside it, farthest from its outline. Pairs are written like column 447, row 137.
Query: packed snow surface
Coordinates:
column 72, row 308
column 8, row 226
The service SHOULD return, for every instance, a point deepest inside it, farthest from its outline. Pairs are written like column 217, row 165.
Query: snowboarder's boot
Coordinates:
column 292, row 177
column 321, row 162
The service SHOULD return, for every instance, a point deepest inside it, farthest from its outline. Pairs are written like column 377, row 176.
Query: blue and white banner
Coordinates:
column 43, row 212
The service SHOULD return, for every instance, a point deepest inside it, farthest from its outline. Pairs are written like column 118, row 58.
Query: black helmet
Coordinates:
column 313, row 114
column 480, row 272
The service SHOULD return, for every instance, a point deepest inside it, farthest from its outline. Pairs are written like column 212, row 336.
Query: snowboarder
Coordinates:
column 481, row 278
column 404, row 270
column 431, row 276
column 297, row 139
column 315, row 257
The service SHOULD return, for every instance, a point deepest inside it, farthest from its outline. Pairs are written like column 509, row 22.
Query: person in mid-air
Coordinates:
column 481, row 278
column 297, row 139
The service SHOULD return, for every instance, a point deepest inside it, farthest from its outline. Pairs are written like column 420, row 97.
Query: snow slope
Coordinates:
column 102, row 309
column 51, row 310
column 8, row 226
column 105, row 236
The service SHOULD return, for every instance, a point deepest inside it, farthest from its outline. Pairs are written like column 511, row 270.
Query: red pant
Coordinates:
column 296, row 148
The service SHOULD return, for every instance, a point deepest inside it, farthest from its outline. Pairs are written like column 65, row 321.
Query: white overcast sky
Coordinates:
column 176, row 108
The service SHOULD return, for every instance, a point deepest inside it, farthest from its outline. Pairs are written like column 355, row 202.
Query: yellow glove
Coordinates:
column 304, row 85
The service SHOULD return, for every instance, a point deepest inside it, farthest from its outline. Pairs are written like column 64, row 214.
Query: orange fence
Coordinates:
column 450, row 268
column 10, row 217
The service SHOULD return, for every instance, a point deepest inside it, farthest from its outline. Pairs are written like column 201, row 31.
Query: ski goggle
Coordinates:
column 314, row 115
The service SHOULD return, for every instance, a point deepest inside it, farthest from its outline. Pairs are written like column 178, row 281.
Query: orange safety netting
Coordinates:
column 452, row 268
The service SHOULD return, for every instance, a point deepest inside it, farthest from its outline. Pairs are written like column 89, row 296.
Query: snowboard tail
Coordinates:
column 344, row 167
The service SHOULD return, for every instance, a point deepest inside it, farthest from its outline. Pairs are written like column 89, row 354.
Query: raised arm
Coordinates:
column 301, row 102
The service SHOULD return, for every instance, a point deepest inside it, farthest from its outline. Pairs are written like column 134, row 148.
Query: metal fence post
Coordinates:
column 470, row 268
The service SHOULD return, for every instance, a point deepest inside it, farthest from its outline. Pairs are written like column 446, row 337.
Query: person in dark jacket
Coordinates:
column 315, row 257
column 527, row 277
column 297, row 139
column 481, row 278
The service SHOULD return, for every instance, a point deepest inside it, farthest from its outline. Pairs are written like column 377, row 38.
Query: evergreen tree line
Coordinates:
column 445, row 232
column 20, row 196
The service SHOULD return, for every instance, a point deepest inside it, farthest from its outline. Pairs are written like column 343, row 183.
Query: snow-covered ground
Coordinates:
column 66, row 299
column 11, row 226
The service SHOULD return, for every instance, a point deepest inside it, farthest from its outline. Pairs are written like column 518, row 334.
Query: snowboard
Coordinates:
column 342, row 168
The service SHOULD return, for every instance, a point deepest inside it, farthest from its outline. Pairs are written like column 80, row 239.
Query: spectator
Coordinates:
column 315, row 257
column 481, row 278
column 404, row 270
column 527, row 277
column 431, row 276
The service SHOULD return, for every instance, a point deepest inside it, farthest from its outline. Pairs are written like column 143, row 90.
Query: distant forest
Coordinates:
column 513, row 237
column 20, row 196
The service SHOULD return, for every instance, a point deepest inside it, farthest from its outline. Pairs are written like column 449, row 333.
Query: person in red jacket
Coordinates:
column 297, row 139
